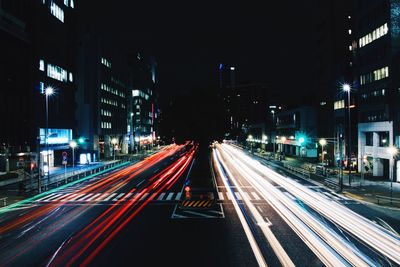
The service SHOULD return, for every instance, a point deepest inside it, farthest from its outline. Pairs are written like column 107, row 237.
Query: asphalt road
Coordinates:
column 174, row 208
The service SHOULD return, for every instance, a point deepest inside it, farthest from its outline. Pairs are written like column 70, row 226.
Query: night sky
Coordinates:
column 268, row 42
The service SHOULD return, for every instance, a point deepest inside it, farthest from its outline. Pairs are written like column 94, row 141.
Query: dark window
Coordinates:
column 369, row 140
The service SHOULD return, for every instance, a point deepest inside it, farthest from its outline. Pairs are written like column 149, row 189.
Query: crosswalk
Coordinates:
column 66, row 197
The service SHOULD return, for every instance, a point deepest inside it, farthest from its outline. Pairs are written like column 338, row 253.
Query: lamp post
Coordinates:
column 393, row 152
column 73, row 144
column 114, row 141
column 322, row 142
column 347, row 88
column 48, row 92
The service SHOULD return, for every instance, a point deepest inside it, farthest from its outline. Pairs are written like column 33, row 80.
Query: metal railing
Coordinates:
column 386, row 199
column 4, row 199
column 297, row 170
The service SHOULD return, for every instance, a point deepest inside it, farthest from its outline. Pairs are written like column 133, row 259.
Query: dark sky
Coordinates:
column 269, row 42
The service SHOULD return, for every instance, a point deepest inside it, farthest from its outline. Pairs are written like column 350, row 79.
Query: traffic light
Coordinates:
column 301, row 139
column 81, row 140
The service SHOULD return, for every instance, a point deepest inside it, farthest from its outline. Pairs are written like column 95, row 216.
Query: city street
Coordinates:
column 145, row 214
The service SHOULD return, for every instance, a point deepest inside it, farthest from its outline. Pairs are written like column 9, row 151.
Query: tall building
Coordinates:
column 142, row 107
column 40, row 40
column 102, row 100
column 377, row 53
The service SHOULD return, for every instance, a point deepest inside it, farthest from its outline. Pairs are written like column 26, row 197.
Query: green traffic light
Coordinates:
column 301, row 140
column 81, row 140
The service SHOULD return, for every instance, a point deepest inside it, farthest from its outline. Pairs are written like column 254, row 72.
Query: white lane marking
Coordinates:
column 170, row 195
column 117, row 197
column 45, row 197
column 85, row 197
column 161, row 196
column 140, row 183
column 228, row 195
column 259, row 208
column 144, row 196
column 109, row 197
column 93, row 197
column 178, row 196
column 256, row 197
column 238, row 196
column 220, row 195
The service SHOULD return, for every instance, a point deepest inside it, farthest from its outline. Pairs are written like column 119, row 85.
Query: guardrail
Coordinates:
column 297, row 170
column 332, row 184
column 390, row 200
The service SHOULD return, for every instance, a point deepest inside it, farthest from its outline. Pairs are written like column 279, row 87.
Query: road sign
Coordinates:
column 65, row 159
column 64, row 154
column 64, row 162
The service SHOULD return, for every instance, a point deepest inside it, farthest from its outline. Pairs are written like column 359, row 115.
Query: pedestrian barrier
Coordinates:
column 331, row 184
column 297, row 170
column 384, row 199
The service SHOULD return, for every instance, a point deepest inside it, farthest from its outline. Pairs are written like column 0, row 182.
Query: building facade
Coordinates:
column 377, row 53
column 102, row 100
column 41, row 38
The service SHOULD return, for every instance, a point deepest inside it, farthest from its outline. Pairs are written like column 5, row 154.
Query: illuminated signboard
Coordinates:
column 56, row 136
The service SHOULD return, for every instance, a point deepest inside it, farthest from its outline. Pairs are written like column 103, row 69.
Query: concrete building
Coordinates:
column 102, row 100
column 142, row 108
column 377, row 52
column 39, row 37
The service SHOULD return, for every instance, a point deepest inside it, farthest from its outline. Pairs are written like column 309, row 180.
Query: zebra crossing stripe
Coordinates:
column 93, row 197
column 170, row 195
column 53, row 197
column 256, row 197
column 246, row 196
column 85, row 197
column 221, row 196
column 102, row 197
column 127, row 196
column 178, row 196
column 117, row 197
column 161, row 196
column 68, row 198
column 75, row 198
column 45, row 197
column 109, row 197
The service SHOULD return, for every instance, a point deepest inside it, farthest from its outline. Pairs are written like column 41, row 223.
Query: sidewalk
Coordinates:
column 378, row 193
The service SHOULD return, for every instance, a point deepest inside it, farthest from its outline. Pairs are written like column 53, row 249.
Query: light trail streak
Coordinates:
column 376, row 237
column 110, row 222
column 253, row 243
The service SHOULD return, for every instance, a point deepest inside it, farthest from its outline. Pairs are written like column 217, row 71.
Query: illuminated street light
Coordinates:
column 322, row 142
column 73, row 144
column 48, row 92
column 346, row 87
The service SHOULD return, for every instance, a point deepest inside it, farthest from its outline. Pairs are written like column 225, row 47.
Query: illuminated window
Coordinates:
column 372, row 36
column 105, row 62
column 339, row 104
column 71, row 78
column 71, row 3
column 57, row 12
column 56, row 72
column 66, row 2
column 41, row 65
column 376, row 75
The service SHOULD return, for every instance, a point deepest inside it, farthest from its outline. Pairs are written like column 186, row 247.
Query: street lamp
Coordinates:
column 48, row 92
column 322, row 142
column 73, row 144
column 393, row 152
column 114, row 141
column 347, row 88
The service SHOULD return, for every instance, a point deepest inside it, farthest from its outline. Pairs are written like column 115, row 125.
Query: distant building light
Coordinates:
column 71, row 78
column 41, row 65
column 349, row 17
column 272, row 106
column 323, row 103
column 232, row 68
column 349, row 31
